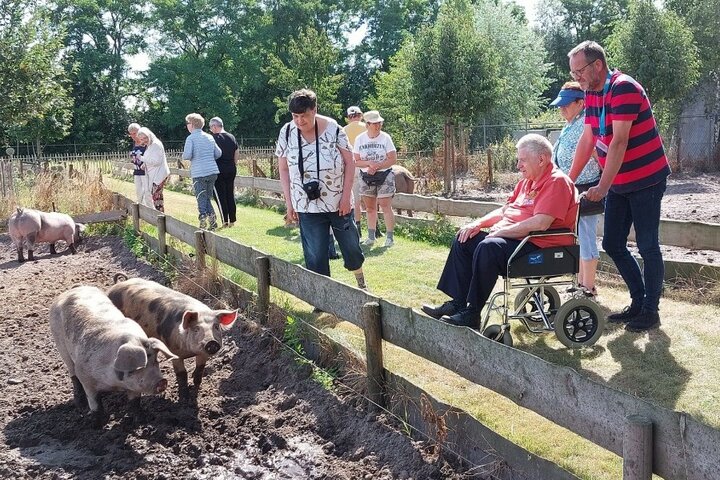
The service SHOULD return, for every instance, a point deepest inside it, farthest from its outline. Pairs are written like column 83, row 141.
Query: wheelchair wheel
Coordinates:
column 495, row 332
column 551, row 302
column 579, row 323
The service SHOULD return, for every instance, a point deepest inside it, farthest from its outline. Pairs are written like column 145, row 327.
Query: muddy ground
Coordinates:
column 259, row 415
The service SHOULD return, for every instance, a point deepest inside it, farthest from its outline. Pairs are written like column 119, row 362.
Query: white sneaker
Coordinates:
column 389, row 242
column 369, row 242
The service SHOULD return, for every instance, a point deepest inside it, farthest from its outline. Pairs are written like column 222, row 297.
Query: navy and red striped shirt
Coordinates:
column 644, row 163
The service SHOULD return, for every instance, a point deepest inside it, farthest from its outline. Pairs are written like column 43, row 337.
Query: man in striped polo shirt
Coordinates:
column 620, row 124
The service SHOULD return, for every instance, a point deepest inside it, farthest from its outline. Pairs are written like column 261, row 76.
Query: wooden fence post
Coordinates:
column 116, row 200
column 162, row 235
column 490, row 166
column 372, row 327
column 637, row 448
column 136, row 217
column 262, row 273
column 200, row 249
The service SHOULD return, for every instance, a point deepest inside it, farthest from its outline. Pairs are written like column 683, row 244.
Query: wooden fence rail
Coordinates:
column 682, row 447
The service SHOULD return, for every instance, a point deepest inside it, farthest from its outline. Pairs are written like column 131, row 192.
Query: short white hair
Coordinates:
column 537, row 144
column 133, row 127
column 216, row 121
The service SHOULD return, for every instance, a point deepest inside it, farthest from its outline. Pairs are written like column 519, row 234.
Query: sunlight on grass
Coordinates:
column 674, row 366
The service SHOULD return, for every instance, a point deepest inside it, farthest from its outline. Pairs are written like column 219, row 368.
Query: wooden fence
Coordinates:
column 648, row 437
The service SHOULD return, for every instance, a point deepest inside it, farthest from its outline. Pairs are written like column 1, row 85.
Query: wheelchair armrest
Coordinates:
column 552, row 231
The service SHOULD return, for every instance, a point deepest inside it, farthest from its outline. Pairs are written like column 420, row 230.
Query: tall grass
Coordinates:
column 53, row 191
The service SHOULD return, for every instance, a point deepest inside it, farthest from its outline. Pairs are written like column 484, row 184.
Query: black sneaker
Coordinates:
column 447, row 308
column 645, row 321
column 627, row 314
column 467, row 317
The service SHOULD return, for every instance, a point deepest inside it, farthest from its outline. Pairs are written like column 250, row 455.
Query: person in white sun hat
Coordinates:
column 375, row 154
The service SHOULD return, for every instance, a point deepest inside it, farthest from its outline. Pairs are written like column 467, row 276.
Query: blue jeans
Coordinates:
column 587, row 237
column 203, row 188
column 641, row 209
column 314, row 228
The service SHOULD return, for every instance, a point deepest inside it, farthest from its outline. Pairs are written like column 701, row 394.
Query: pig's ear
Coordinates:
column 130, row 358
column 227, row 317
column 190, row 318
column 159, row 346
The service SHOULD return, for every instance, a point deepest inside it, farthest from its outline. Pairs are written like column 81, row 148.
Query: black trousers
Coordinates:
column 473, row 267
column 225, row 188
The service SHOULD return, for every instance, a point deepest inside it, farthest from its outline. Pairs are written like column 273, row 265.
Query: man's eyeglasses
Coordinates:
column 578, row 73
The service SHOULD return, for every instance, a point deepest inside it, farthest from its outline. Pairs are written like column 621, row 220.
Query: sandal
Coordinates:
column 589, row 292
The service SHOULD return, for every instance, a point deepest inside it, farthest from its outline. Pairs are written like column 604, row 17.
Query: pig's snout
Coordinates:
column 161, row 385
column 212, row 347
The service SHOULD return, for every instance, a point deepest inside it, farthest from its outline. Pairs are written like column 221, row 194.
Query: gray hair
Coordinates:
column 537, row 144
column 216, row 121
column 592, row 50
column 146, row 132
column 133, row 127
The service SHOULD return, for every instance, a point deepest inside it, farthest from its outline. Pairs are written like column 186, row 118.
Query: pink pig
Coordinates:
column 28, row 226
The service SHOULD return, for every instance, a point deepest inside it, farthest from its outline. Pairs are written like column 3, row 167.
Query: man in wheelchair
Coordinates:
column 545, row 198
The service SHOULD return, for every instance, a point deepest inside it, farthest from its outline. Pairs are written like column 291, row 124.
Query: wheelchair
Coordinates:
column 577, row 323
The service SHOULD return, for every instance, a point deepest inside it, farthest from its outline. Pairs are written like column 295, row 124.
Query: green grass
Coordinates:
column 675, row 366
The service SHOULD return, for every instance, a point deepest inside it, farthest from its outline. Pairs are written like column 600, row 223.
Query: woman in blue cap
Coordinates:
column 571, row 101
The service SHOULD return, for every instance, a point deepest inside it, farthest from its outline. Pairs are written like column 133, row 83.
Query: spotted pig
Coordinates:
column 187, row 326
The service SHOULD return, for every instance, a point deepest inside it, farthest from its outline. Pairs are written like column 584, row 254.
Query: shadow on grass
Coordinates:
column 647, row 368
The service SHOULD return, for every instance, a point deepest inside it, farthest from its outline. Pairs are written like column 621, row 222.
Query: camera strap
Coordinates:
column 301, row 162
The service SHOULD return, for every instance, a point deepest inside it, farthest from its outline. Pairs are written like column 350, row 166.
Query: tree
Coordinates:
column 311, row 64
column 100, row 34
column 36, row 106
column 522, row 78
column 657, row 49
column 454, row 72
column 703, row 19
column 415, row 130
column 566, row 23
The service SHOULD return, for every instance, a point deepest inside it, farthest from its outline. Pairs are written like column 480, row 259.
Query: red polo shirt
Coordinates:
column 553, row 194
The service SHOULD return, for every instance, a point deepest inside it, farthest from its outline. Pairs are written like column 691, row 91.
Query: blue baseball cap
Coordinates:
column 566, row 97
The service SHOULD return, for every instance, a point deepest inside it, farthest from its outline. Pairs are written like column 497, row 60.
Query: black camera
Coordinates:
column 312, row 189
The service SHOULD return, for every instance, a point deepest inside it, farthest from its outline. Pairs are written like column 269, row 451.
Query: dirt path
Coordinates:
column 259, row 415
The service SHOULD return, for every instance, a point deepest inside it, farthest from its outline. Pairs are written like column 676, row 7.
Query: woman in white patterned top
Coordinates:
column 571, row 101
column 316, row 173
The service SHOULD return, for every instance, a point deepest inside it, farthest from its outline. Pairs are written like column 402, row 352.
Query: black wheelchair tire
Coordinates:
column 495, row 332
column 579, row 323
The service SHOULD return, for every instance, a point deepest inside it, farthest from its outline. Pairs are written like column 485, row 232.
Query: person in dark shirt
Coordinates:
column 227, row 164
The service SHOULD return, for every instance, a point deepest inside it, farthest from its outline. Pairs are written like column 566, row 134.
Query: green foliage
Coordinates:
column 35, row 103
column 522, row 76
column 100, row 34
column 310, row 63
column 438, row 232
column 416, row 130
column 703, row 19
column 657, row 49
column 292, row 337
column 134, row 242
column 248, row 198
column 566, row 23
column 454, row 70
